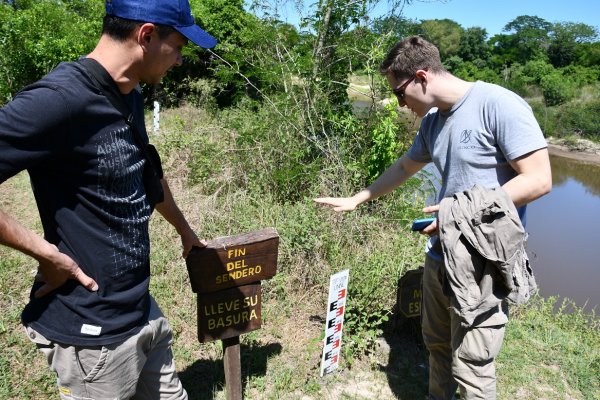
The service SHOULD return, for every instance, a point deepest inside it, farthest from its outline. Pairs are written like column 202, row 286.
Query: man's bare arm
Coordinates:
column 533, row 180
column 55, row 268
column 394, row 176
column 171, row 212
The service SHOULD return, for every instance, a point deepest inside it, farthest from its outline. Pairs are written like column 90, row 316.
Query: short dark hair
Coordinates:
column 120, row 28
column 410, row 55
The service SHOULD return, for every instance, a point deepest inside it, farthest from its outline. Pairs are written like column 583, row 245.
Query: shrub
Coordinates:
column 524, row 79
column 535, row 70
column 476, row 70
column 582, row 75
column 582, row 119
column 557, row 89
column 388, row 141
column 37, row 38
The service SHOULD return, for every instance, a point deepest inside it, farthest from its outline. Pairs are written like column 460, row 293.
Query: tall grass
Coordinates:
column 550, row 353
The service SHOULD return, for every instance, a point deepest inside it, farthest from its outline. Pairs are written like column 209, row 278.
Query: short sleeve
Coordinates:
column 420, row 150
column 33, row 127
column 517, row 130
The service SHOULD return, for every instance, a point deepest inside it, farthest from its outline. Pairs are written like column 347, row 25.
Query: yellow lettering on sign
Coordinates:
column 237, row 273
column 236, row 264
column 236, row 253
column 233, row 319
column 417, row 293
column 220, row 308
column 414, row 307
column 251, row 301
column 230, row 305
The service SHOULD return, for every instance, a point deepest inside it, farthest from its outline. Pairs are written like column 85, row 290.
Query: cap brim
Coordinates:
column 197, row 36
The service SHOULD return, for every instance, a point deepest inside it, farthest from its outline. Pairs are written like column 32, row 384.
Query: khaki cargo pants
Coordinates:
column 458, row 357
column 141, row 367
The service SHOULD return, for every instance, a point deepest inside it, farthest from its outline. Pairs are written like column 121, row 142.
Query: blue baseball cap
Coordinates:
column 174, row 13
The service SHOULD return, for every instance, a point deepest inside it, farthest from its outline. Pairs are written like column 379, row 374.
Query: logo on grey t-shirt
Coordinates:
column 465, row 136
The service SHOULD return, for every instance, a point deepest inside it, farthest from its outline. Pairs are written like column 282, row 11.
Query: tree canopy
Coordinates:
column 258, row 54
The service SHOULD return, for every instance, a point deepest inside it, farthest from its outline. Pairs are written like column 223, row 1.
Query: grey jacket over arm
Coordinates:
column 483, row 242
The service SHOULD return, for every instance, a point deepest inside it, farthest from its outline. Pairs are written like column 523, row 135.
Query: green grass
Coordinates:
column 549, row 353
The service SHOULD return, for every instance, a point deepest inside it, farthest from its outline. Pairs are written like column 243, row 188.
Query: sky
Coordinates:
column 494, row 15
column 491, row 15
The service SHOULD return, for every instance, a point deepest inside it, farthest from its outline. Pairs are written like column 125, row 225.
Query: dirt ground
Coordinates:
column 582, row 149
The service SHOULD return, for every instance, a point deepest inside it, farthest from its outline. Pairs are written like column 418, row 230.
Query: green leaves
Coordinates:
column 36, row 38
column 386, row 145
column 557, row 89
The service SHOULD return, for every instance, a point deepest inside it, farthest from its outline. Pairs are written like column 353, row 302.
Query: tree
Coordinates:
column 473, row 45
column 393, row 28
column 444, row 33
column 529, row 41
column 353, row 48
column 588, row 54
column 37, row 36
column 396, row 25
column 565, row 39
column 229, row 66
column 330, row 20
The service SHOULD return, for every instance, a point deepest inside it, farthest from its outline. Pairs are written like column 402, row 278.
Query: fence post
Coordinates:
column 156, row 117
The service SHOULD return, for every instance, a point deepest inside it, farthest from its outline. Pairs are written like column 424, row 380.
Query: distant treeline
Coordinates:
column 258, row 56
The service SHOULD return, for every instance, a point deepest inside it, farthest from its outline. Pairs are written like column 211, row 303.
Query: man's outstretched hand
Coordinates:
column 338, row 203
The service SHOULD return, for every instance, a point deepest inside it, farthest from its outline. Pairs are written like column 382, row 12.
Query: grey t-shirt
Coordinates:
column 473, row 141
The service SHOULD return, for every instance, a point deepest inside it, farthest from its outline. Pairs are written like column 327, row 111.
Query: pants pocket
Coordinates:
column 481, row 344
column 91, row 361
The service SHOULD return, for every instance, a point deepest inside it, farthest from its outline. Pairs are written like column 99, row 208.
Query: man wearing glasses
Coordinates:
column 475, row 133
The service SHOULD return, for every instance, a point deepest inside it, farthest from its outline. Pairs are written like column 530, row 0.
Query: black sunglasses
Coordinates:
column 399, row 91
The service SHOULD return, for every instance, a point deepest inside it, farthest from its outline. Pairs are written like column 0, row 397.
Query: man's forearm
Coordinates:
column 523, row 189
column 171, row 212
column 13, row 234
column 394, row 176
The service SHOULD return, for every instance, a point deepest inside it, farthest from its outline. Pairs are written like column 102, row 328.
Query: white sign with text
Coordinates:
column 336, row 306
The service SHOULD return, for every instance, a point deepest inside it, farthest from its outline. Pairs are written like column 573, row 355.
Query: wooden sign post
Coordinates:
column 226, row 275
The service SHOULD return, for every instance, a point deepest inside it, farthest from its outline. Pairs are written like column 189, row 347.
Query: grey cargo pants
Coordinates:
column 140, row 368
column 458, row 357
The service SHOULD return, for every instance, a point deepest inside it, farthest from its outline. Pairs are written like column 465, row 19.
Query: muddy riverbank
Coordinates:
column 581, row 149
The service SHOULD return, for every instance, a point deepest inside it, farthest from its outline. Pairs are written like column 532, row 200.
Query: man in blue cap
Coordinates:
column 80, row 134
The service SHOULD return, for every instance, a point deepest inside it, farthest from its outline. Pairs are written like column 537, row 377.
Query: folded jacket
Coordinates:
column 483, row 242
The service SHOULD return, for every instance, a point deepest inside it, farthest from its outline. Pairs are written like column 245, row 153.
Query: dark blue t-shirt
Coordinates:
column 86, row 175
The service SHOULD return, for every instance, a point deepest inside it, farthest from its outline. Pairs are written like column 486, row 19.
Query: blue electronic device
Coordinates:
column 420, row 224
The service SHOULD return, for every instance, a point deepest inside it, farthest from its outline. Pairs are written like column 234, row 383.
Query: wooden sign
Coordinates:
column 410, row 293
column 233, row 261
column 226, row 276
column 229, row 312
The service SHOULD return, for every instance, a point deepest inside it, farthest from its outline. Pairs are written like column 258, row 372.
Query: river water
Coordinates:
column 564, row 233
column 564, row 229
